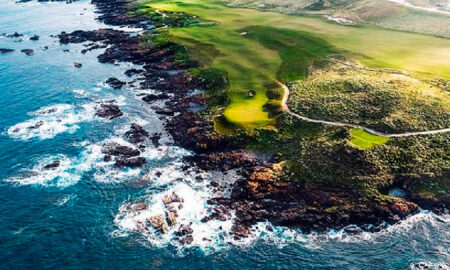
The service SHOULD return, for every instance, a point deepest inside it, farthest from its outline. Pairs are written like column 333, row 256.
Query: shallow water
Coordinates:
column 77, row 216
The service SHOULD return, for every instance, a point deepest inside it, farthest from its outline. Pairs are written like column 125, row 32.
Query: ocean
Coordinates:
column 79, row 215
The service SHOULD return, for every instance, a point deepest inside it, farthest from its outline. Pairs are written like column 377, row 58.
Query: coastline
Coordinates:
column 262, row 195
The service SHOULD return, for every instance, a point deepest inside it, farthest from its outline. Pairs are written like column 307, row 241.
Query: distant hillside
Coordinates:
column 431, row 17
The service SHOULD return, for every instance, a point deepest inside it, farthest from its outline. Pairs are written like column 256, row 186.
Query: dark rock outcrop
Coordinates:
column 4, row 50
column 152, row 97
column 108, row 111
column 134, row 162
column 123, row 156
column 55, row 164
column 28, row 52
column 136, row 134
column 15, row 35
column 114, row 83
column 115, row 149
column 133, row 71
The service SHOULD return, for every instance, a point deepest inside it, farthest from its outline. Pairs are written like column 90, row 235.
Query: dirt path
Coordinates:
column 341, row 124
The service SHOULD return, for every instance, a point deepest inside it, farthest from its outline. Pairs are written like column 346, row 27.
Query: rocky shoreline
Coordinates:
column 262, row 195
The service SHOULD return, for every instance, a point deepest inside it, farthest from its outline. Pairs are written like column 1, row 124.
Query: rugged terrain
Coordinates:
column 296, row 174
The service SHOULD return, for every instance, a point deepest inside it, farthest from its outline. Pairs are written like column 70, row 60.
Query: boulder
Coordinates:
column 109, row 111
column 155, row 139
column 130, row 162
column 36, row 125
column 214, row 184
column 114, row 83
column 152, row 97
column 115, row 149
column 136, row 134
column 187, row 240
column 4, row 50
column 184, row 230
column 15, row 35
column 133, row 71
column 28, row 52
column 164, row 111
column 53, row 165
column 172, row 199
column 353, row 230
column 158, row 223
column 171, row 218
column 138, row 206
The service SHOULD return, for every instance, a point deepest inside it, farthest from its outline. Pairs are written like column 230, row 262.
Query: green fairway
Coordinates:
column 256, row 48
column 364, row 140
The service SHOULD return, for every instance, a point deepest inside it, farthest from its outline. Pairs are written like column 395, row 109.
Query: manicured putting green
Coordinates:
column 256, row 48
column 364, row 140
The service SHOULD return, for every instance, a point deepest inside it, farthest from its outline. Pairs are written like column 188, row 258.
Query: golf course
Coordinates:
column 256, row 48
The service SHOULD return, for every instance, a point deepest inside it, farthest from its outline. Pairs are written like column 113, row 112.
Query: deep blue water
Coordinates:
column 76, row 217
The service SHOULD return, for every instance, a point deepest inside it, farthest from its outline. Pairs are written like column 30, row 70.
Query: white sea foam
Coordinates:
column 65, row 199
column 206, row 235
column 66, row 174
column 71, row 169
column 421, row 220
column 429, row 266
column 49, row 121
column 80, row 93
column 166, row 152
column 104, row 171
column 214, row 234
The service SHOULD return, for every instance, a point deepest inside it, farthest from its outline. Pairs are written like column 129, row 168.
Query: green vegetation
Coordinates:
column 317, row 155
column 430, row 187
column 243, row 52
column 364, row 140
column 383, row 100
column 256, row 48
column 331, row 158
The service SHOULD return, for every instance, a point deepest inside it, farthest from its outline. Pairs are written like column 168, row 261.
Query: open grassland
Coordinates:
column 256, row 48
column 382, row 13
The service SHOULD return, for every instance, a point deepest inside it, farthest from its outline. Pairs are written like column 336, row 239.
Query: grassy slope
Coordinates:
column 329, row 157
column 382, row 13
column 387, row 102
column 281, row 47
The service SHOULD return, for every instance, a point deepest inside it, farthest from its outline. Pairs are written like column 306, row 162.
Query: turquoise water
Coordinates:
column 77, row 216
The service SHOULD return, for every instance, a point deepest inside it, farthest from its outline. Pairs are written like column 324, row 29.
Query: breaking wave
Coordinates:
column 49, row 121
